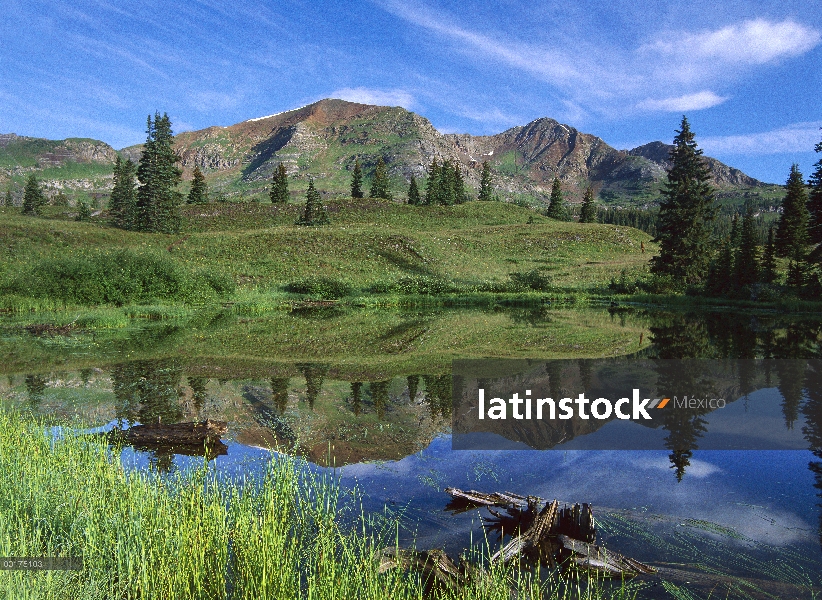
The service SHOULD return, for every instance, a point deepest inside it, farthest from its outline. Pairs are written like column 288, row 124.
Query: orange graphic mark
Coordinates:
column 664, row 402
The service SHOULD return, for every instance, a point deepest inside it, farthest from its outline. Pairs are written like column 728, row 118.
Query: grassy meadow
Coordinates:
column 372, row 249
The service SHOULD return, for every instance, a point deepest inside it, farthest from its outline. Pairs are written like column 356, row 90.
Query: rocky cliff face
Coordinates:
column 324, row 139
column 723, row 175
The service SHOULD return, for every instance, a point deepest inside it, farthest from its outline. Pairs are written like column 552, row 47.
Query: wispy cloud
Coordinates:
column 752, row 42
column 547, row 63
column 797, row 137
column 396, row 97
column 671, row 71
column 687, row 102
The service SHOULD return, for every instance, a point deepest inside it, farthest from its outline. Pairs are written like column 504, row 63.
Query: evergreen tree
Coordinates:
column 556, row 207
column 199, row 189
column 83, row 211
column 314, row 212
column 792, row 230
column 445, row 185
column 279, row 185
column 432, row 185
column 736, row 232
column 413, row 192
column 379, row 184
column 719, row 281
column 746, row 265
column 685, row 214
column 9, row 201
column 815, row 201
column 458, row 186
column 588, row 213
column 122, row 206
column 356, row 180
column 157, row 197
column 769, row 259
column 33, row 197
column 485, row 191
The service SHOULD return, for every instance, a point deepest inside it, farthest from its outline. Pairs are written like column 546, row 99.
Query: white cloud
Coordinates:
column 671, row 71
column 363, row 95
column 687, row 102
column 797, row 137
column 752, row 42
column 548, row 64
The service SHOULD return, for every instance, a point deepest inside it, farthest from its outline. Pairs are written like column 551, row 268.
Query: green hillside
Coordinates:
column 372, row 248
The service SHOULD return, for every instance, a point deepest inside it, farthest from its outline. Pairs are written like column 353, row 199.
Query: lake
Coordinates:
column 367, row 394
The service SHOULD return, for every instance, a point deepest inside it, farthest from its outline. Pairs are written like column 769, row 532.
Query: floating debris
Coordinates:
column 542, row 533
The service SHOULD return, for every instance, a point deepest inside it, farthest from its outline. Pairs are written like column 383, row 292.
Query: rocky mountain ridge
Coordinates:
column 323, row 140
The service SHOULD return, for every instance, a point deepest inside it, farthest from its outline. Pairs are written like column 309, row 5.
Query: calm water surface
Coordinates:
column 750, row 517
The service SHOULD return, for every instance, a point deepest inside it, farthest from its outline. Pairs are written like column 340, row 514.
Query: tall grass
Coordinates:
column 142, row 535
column 115, row 277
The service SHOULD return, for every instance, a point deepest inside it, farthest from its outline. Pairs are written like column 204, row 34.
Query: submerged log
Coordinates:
column 594, row 558
column 549, row 535
column 173, row 434
column 463, row 501
column 535, row 542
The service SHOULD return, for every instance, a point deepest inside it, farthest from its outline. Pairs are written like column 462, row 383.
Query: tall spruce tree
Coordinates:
column 768, row 272
column 314, row 212
column 157, row 197
column 686, row 213
column 556, row 207
column 746, row 264
column 279, row 185
column 379, row 183
column 445, row 185
column 815, row 200
column 486, row 193
column 122, row 206
column 792, row 230
column 356, row 180
column 199, row 188
column 588, row 213
column 719, row 281
column 33, row 197
column 433, row 182
column 458, row 186
column 413, row 192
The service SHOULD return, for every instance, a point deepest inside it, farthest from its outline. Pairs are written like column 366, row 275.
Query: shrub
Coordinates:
column 119, row 277
column 326, row 288
column 530, row 280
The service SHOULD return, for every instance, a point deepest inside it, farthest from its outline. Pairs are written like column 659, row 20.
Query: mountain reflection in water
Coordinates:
column 338, row 414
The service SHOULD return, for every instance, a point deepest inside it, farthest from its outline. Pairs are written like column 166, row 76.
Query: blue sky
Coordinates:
column 747, row 73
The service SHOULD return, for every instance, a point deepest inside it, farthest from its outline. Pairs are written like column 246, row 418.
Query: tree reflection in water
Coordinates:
column 314, row 374
column 438, row 390
column 785, row 344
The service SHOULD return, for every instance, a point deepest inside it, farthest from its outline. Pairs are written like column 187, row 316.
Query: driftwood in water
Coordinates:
column 436, row 567
column 462, row 501
column 189, row 439
column 548, row 535
column 175, row 433
column 575, row 521
column 594, row 558
column 533, row 543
